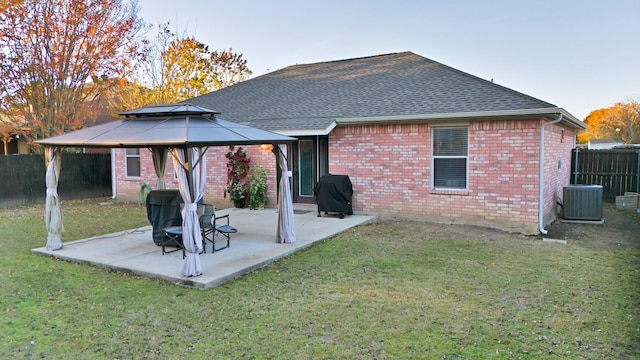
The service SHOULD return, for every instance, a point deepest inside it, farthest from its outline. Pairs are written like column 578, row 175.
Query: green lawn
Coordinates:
column 389, row 290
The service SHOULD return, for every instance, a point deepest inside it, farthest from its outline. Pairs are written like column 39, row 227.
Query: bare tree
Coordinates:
column 229, row 68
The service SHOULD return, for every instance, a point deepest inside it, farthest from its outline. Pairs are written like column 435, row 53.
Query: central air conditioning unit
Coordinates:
column 582, row 202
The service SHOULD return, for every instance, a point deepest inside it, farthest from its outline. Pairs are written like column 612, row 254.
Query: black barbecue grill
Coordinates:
column 333, row 194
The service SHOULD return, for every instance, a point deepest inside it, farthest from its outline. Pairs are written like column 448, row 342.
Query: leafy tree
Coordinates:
column 178, row 69
column 56, row 54
column 596, row 126
column 624, row 119
column 621, row 120
column 187, row 71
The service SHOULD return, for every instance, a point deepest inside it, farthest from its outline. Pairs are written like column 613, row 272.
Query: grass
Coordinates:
column 380, row 291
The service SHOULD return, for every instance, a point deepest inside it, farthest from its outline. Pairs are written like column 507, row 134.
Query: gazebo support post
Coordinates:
column 286, row 231
column 53, row 212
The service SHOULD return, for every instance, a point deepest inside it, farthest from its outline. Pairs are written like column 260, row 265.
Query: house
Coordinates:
column 15, row 131
column 12, row 137
column 418, row 139
column 13, row 144
column 604, row 144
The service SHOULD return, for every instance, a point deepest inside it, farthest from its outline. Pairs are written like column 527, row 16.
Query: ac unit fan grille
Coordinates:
column 582, row 202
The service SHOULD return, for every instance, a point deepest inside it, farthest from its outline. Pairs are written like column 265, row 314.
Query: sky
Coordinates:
column 581, row 55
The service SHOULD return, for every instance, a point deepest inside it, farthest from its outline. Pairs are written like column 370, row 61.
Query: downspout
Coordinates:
column 541, row 179
column 113, row 174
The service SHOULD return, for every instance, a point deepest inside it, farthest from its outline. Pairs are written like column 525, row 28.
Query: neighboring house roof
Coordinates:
column 606, row 141
column 603, row 144
column 312, row 98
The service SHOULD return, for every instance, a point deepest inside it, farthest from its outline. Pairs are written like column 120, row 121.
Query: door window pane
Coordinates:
column 323, row 156
column 306, row 174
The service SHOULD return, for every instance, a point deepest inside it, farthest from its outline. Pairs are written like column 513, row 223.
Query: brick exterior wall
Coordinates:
column 390, row 168
column 558, row 143
column 128, row 188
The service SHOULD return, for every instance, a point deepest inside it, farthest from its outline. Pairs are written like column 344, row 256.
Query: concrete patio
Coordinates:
column 252, row 247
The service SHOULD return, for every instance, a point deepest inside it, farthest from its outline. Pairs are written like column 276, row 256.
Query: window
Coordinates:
column 449, row 157
column 132, row 159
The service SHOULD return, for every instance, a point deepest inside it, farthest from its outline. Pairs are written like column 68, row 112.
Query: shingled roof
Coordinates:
column 303, row 98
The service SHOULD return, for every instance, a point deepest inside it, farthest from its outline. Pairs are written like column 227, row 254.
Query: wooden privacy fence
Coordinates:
column 618, row 171
column 81, row 176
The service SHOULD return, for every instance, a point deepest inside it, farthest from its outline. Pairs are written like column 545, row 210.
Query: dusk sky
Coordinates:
column 578, row 55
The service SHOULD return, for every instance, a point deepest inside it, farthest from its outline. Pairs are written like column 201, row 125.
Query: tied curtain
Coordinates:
column 191, row 172
column 52, row 211
column 159, row 156
column 286, row 231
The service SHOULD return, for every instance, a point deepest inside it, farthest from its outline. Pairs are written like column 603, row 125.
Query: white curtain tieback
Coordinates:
column 52, row 192
column 288, row 173
column 191, row 207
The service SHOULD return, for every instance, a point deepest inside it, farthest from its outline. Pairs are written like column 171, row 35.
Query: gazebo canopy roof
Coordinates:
column 169, row 125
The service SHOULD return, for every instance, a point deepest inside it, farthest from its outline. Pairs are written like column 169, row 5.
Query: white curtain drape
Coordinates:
column 52, row 211
column 191, row 170
column 286, row 232
column 159, row 155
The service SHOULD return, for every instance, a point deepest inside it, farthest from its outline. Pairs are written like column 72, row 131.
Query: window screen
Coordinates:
column 449, row 159
column 132, row 157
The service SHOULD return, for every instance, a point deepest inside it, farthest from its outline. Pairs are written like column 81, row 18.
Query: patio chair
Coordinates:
column 212, row 225
column 206, row 212
column 172, row 236
column 163, row 212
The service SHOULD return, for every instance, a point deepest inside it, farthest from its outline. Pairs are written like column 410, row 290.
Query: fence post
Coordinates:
column 575, row 166
column 638, row 172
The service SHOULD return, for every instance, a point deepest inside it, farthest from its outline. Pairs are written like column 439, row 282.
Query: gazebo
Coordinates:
column 185, row 132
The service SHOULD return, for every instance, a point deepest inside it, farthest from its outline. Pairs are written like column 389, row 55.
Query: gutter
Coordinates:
column 465, row 116
column 541, row 176
column 567, row 118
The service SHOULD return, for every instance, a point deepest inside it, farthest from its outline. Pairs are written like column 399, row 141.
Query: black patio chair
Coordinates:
column 163, row 212
column 212, row 225
column 206, row 227
column 172, row 236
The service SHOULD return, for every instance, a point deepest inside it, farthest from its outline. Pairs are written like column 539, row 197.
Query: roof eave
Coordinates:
column 568, row 119
column 307, row 132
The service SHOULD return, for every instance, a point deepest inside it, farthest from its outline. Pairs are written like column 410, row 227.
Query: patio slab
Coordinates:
column 252, row 247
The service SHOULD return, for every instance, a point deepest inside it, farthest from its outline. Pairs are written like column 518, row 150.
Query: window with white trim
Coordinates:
column 449, row 155
column 132, row 161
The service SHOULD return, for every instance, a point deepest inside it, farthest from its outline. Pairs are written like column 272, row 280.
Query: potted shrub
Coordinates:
column 258, row 187
column 237, row 173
